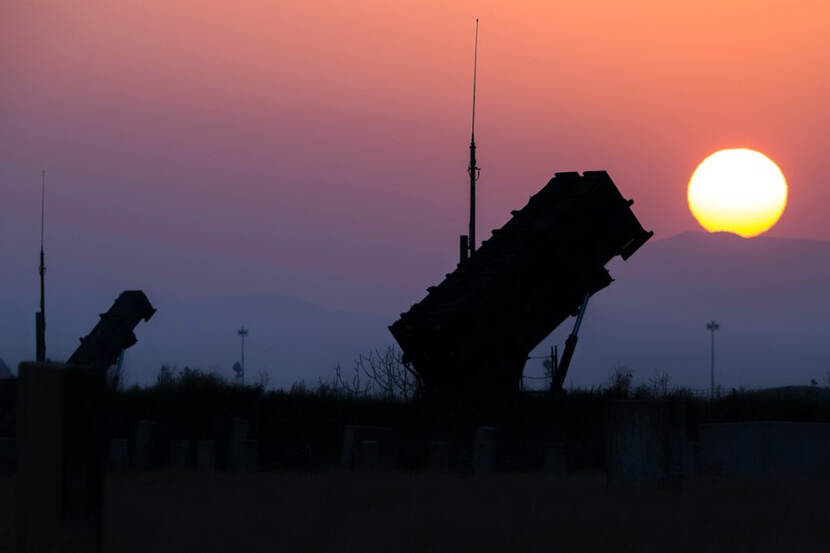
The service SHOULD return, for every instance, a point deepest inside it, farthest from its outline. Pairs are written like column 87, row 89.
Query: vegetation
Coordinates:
column 303, row 426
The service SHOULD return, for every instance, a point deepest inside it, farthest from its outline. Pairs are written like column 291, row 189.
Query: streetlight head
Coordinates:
column 713, row 325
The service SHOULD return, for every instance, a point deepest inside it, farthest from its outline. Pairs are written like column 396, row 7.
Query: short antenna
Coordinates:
column 40, row 316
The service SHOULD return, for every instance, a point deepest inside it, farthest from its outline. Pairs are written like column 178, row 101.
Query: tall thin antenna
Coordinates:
column 475, row 69
column 40, row 316
column 473, row 170
column 42, row 205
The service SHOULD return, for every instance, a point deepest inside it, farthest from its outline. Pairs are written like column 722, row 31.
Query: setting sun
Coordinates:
column 737, row 190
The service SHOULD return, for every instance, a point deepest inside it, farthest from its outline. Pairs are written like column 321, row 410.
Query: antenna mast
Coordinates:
column 467, row 242
column 472, row 169
column 40, row 316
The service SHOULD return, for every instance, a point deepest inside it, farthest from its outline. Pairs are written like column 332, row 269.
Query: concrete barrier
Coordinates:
column 485, row 449
column 8, row 401
column 147, row 452
column 118, row 455
column 554, row 458
column 647, row 444
column 180, row 456
column 236, row 436
column 460, row 454
column 765, row 448
column 439, row 456
column 369, row 458
column 355, row 457
column 206, row 455
column 248, row 456
column 8, row 456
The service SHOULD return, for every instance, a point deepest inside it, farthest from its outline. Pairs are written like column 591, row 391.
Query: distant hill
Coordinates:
column 771, row 296
column 289, row 338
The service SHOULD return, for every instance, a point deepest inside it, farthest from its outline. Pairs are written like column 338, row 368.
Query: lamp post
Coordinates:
column 712, row 326
column 242, row 333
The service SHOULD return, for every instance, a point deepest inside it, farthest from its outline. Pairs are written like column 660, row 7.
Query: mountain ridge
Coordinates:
column 769, row 294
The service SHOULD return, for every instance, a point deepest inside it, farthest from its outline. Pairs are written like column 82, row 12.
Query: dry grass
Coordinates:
column 368, row 513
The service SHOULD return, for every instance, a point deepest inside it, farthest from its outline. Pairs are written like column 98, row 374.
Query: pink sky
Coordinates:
column 318, row 149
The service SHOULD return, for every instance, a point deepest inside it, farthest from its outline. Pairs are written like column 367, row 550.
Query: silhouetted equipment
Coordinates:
column 570, row 345
column 476, row 328
column 114, row 332
column 472, row 169
column 40, row 337
column 40, row 316
column 115, row 377
column 552, row 366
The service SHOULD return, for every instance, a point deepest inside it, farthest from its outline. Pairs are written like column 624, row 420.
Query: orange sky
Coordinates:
column 332, row 135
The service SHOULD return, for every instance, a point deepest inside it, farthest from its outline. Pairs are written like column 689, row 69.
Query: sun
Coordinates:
column 737, row 190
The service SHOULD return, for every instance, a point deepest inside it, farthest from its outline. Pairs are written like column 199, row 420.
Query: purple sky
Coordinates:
column 318, row 150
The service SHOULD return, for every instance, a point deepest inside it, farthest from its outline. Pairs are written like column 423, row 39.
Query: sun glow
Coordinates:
column 737, row 190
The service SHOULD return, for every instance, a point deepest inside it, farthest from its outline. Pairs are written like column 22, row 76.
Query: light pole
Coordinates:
column 712, row 326
column 242, row 333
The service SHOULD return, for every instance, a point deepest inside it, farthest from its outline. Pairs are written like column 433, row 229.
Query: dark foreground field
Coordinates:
column 411, row 513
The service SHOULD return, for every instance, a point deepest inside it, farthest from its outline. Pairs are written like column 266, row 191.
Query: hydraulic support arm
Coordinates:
column 570, row 345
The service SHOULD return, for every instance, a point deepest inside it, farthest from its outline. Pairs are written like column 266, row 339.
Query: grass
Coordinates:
column 366, row 513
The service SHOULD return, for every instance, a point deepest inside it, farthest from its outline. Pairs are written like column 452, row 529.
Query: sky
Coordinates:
column 318, row 149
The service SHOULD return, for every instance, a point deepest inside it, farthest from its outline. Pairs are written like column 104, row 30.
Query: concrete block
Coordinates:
column 179, row 458
column 369, row 458
column 485, row 449
column 646, row 444
column 751, row 449
column 388, row 446
column 439, row 456
column 206, row 455
column 8, row 456
column 460, row 454
column 8, row 400
column 554, row 458
column 248, row 456
column 236, row 436
column 118, row 455
column 147, row 452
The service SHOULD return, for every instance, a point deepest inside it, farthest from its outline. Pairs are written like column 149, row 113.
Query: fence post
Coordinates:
column 60, row 478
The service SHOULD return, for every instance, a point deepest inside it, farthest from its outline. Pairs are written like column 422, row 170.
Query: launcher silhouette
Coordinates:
column 114, row 331
column 476, row 329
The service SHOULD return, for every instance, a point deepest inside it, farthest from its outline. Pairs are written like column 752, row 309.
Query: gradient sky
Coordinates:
column 319, row 149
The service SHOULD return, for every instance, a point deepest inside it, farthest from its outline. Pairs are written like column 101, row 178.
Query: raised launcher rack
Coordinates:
column 475, row 330
column 114, row 332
